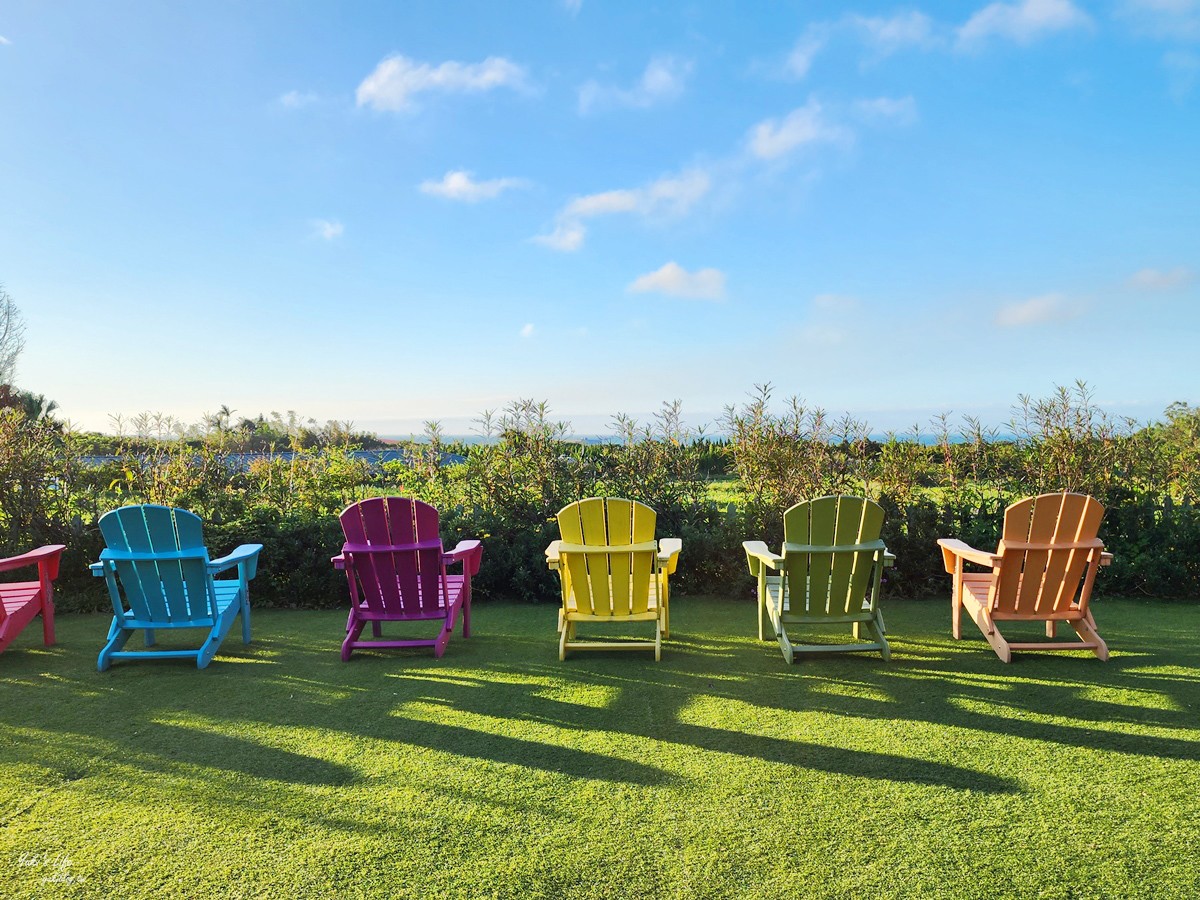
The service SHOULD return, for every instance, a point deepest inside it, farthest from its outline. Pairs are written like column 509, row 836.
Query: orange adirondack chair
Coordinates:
column 1043, row 571
column 21, row 601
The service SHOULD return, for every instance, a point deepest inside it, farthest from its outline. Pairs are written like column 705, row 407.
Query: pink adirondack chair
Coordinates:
column 21, row 601
column 396, row 570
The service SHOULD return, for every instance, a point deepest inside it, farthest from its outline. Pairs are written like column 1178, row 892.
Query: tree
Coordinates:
column 36, row 406
column 12, row 336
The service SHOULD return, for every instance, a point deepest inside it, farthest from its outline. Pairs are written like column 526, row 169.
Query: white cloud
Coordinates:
column 326, row 229
column 675, row 281
column 810, row 43
column 527, row 330
column 896, row 109
column 1023, row 22
column 774, row 138
column 1036, row 311
column 567, row 236
column 1159, row 280
column 668, row 197
column 460, row 186
column 398, row 79
column 298, row 99
column 573, row 6
column 4, row 40
column 907, row 29
column 663, row 80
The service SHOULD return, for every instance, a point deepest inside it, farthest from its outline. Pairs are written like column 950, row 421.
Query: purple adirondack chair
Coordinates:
column 396, row 570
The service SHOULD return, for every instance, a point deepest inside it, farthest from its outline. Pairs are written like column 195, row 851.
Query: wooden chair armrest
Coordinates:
column 952, row 548
column 339, row 561
column 1106, row 558
column 469, row 553
column 552, row 554
column 889, row 559
column 757, row 555
column 668, row 554
column 43, row 556
column 246, row 553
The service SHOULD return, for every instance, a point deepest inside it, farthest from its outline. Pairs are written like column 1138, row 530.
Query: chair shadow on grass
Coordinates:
column 298, row 681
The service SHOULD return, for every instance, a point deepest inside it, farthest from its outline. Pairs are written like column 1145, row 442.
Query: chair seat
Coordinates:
column 17, row 594
column 773, row 587
column 652, row 603
column 455, row 588
column 227, row 594
column 978, row 586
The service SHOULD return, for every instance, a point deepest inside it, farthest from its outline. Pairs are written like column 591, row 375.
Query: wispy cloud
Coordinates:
column 675, row 281
column 884, row 35
column 668, row 197
column 1160, row 280
column 459, row 185
column 326, row 229
column 663, row 80
column 396, row 80
column 808, row 45
column 527, row 330
column 902, row 110
column 1037, row 311
column 297, row 99
column 4, row 41
column 888, row 35
column 1183, row 71
column 1177, row 20
column 1023, row 22
column 572, row 6
column 775, row 138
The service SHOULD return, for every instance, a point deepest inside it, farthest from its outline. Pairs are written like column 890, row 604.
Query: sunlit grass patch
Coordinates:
column 499, row 771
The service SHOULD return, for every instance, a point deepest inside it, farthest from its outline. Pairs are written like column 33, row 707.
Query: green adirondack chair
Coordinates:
column 829, row 574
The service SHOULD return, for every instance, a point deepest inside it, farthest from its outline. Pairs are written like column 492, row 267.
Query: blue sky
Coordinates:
column 395, row 212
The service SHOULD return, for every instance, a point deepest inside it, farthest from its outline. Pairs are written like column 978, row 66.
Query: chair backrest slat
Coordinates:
column 394, row 552
column 161, row 563
column 831, row 551
column 605, row 578
column 1049, row 553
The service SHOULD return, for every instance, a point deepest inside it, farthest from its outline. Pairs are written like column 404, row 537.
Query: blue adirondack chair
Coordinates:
column 159, row 576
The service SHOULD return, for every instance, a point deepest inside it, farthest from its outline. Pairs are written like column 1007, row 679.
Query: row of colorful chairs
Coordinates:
column 612, row 571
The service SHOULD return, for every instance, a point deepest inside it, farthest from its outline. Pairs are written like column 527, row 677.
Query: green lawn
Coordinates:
column 498, row 771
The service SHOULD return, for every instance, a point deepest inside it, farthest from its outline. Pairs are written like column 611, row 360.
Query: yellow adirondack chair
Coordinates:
column 612, row 572
column 830, row 572
column 1042, row 571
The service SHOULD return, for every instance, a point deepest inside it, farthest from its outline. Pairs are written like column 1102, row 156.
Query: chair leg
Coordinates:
column 658, row 636
column 117, row 638
column 208, row 650
column 956, row 612
column 246, row 618
column 148, row 637
column 999, row 644
column 48, row 622
column 1086, row 629
column 562, row 641
column 980, row 617
column 467, row 614
column 1051, row 628
column 876, row 627
column 352, row 635
column 784, row 644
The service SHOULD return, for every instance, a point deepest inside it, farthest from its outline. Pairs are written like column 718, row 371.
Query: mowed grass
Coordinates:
column 498, row 771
